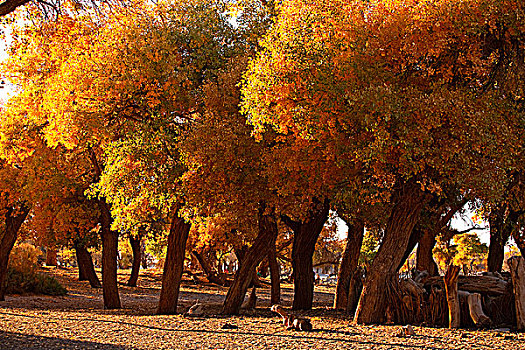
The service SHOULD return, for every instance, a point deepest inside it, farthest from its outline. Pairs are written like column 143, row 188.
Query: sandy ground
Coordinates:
column 78, row 321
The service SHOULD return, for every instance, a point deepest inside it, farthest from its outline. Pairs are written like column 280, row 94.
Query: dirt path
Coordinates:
column 77, row 321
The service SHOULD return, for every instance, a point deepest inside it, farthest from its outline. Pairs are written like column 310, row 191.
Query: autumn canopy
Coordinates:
column 209, row 127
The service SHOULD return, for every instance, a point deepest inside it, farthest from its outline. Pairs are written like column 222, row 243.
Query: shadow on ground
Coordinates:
column 17, row 341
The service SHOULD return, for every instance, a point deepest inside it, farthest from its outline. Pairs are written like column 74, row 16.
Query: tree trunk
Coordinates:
column 82, row 274
column 109, row 259
column 451, row 288
column 211, row 275
column 305, row 237
column 517, row 270
column 499, row 235
column 408, row 202
column 348, row 265
column 109, row 246
column 13, row 222
column 51, row 256
column 425, row 257
column 135, row 243
column 86, row 267
column 275, row 276
column 174, row 265
column 243, row 277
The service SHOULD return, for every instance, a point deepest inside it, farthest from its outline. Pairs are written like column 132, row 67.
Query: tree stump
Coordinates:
column 451, row 288
column 476, row 311
column 517, row 270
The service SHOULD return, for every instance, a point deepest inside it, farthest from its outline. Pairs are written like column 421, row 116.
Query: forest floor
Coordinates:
column 78, row 321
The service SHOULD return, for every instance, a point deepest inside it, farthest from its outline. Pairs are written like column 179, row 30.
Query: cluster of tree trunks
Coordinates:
column 453, row 300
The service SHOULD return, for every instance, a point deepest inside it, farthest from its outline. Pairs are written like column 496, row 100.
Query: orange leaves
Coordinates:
column 394, row 86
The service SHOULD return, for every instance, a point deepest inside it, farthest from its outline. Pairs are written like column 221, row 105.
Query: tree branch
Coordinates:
column 9, row 6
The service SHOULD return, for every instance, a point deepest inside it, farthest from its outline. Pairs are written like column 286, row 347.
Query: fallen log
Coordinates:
column 474, row 284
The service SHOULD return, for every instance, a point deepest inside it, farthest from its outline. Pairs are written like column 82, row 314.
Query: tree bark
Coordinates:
column 305, row 237
column 348, row 265
column 517, row 270
column 275, row 276
column 174, row 265
column 266, row 236
column 135, row 242
column 14, row 218
column 451, row 288
column 408, row 201
column 51, row 255
column 354, row 290
column 425, row 258
column 86, row 269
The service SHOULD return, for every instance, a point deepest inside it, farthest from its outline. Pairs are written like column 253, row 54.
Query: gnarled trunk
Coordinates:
column 408, row 202
column 135, row 242
column 13, row 222
column 86, row 269
column 174, row 265
column 261, row 246
column 348, row 265
column 305, row 237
